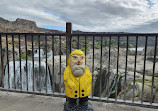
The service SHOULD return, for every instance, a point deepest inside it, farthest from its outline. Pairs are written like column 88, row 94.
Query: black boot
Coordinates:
column 83, row 103
column 70, row 104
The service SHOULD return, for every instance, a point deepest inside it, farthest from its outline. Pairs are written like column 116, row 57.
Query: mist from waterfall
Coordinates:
column 39, row 77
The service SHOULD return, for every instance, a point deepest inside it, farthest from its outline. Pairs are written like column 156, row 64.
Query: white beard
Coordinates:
column 78, row 70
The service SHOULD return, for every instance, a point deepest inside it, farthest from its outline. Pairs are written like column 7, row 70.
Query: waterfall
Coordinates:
column 39, row 83
column 50, row 53
column 36, row 53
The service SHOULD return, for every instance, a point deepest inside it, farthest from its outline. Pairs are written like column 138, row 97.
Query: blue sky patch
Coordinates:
column 58, row 15
column 54, row 27
column 150, row 4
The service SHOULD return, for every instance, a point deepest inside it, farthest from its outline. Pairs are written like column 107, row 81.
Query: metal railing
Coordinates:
column 108, row 46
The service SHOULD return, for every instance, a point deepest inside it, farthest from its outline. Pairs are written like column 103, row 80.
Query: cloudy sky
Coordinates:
column 86, row 15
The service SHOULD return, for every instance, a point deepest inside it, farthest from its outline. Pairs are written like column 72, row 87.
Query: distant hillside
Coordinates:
column 22, row 26
column 132, row 39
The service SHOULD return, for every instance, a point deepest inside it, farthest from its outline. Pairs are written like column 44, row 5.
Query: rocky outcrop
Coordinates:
column 156, row 96
column 56, row 75
column 22, row 26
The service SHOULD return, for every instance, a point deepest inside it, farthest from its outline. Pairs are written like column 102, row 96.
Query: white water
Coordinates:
column 50, row 53
column 37, row 81
column 138, row 49
column 36, row 53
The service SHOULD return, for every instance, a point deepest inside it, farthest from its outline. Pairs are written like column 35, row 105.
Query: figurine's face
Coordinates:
column 77, row 63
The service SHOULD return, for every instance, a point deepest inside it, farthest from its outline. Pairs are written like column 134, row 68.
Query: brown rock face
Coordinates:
column 22, row 26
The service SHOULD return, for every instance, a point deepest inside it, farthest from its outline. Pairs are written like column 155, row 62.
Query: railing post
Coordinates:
column 1, row 64
column 68, row 39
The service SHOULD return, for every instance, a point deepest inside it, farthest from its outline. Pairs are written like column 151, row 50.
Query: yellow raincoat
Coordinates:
column 77, row 87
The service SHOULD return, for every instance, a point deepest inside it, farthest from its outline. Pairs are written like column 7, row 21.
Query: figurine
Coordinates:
column 77, row 80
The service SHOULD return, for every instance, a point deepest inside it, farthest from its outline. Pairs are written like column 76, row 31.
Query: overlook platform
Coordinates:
column 10, row 101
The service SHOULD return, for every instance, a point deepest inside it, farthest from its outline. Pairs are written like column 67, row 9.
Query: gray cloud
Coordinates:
column 148, row 28
column 86, row 15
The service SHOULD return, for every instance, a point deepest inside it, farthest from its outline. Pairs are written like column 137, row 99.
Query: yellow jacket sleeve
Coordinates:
column 68, row 82
column 87, row 82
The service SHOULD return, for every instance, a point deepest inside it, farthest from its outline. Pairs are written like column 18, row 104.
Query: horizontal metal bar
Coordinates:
column 98, row 99
column 36, row 93
column 127, row 102
column 48, row 34
column 86, row 34
column 115, row 34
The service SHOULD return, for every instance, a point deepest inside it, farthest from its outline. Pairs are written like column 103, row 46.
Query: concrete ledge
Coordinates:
column 10, row 101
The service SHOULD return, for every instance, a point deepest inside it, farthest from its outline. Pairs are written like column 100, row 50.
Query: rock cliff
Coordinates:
column 22, row 26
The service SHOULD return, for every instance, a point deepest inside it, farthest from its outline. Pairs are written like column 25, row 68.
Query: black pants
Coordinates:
column 74, row 101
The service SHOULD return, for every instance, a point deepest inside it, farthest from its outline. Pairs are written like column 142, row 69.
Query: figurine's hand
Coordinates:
column 71, row 84
column 85, row 83
column 73, row 87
